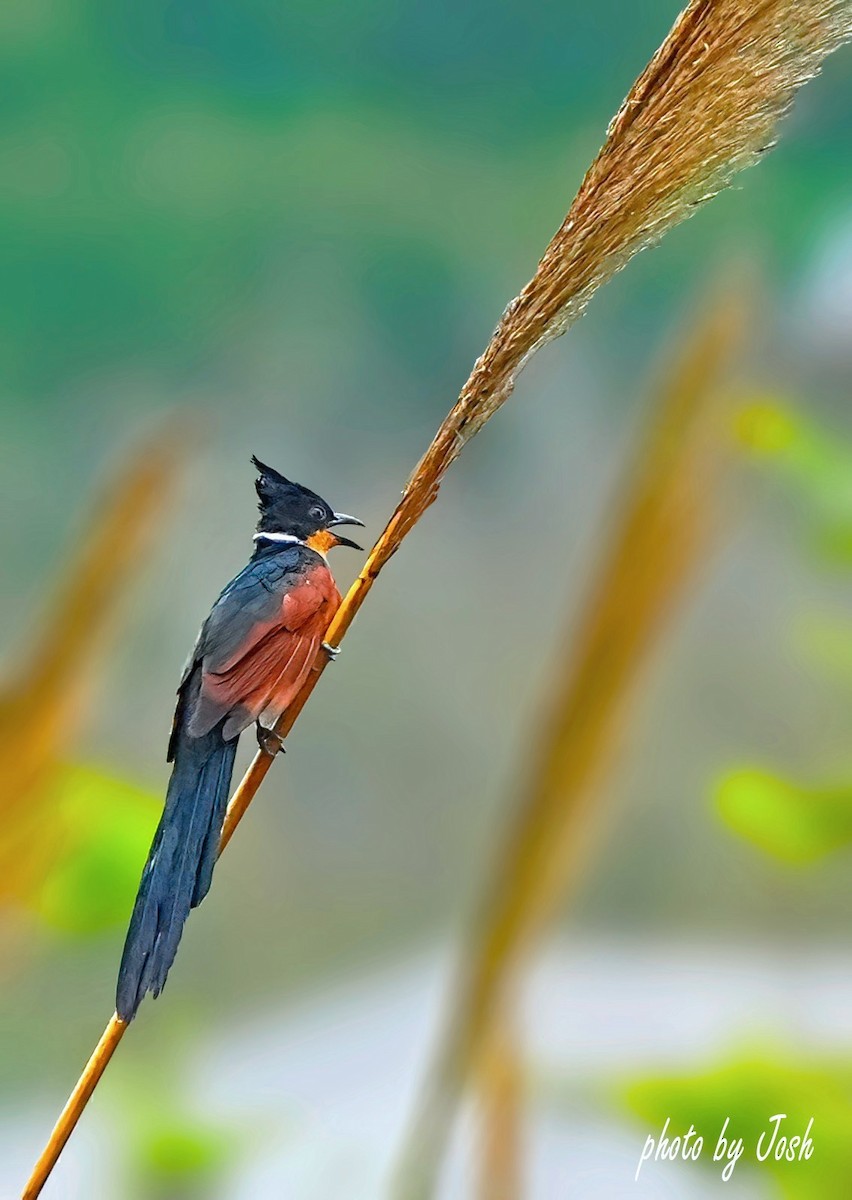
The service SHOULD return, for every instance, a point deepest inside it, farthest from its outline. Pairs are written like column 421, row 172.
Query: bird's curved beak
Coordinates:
column 345, row 519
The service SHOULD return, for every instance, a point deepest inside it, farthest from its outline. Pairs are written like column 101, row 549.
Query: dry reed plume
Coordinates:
column 664, row 518
column 705, row 106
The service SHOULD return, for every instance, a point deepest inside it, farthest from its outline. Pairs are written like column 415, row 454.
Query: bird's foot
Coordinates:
column 270, row 742
column 331, row 651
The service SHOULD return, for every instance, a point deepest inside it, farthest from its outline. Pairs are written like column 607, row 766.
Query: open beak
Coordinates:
column 345, row 519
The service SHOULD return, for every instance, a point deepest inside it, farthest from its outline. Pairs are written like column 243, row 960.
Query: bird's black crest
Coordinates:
column 269, row 483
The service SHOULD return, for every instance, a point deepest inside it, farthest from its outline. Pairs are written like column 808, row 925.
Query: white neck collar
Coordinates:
column 279, row 537
column 288, row 539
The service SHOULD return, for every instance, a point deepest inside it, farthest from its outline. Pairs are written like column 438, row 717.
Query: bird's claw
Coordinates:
column 270, row 741
column 331, row 651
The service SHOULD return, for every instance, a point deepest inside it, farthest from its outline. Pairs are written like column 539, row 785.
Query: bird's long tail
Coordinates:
column 180, row 864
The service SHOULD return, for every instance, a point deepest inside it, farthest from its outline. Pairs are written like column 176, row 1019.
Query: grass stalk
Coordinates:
column 77, row 1101
column 41, row 703
column 499, row 1086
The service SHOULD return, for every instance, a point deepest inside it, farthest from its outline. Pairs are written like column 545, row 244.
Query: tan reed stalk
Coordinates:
column 40, row 704
column 76, row 1102
column 661, row 534
column 499, row 1084
column 705, row 107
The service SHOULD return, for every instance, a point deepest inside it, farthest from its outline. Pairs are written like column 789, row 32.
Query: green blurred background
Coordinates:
column 296, row 225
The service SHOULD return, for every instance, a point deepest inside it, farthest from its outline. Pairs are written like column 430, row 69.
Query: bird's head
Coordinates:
column 291, row 510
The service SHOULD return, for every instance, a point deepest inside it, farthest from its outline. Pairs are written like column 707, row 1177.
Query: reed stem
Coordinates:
column 77, row 1101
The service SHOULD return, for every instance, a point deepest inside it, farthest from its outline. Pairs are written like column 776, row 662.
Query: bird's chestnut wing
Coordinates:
column 260, row 640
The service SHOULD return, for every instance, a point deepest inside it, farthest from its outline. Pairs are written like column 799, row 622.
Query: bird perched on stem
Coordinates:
column 251, row 658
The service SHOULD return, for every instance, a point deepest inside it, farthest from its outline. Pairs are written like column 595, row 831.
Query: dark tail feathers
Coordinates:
column 180, row 864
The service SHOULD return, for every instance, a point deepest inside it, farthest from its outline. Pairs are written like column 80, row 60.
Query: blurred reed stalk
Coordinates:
column 659, row 542
column 705, row 107
column 499, row 1083
column 43, row 701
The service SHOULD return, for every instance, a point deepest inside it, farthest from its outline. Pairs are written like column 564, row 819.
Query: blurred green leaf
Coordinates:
column 772, row 430
column 186, row 1151
column 817, row 464
column 765, row 429
column 173, row 1155
column 798, row 825
column 750, row 1089
column 106, row 826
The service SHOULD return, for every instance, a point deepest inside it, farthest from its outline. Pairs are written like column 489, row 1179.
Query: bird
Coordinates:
column 255, row 650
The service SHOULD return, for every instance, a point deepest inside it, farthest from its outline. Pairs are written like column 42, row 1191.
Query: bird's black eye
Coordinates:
column 316, row 513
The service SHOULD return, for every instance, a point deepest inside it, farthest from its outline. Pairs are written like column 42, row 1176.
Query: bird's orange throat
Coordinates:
column 322, row 541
